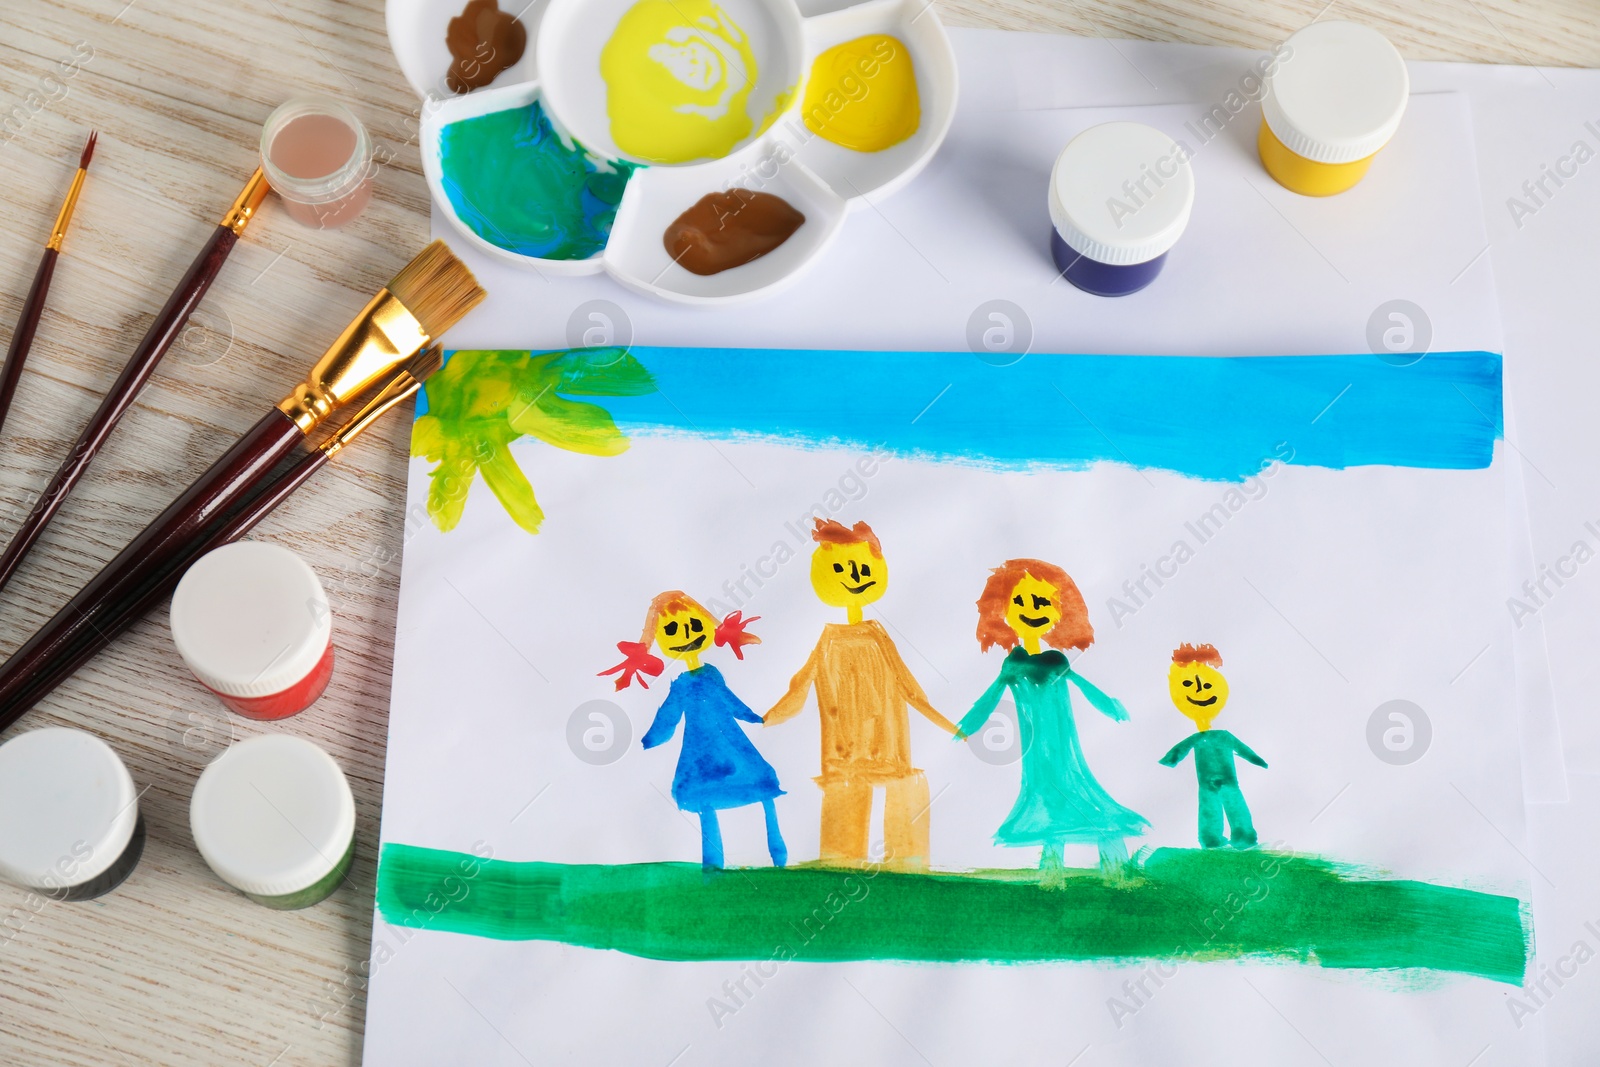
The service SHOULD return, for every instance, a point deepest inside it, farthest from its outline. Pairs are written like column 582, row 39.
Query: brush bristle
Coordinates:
column 437, row 288
column 426, row 364
column 88, row 150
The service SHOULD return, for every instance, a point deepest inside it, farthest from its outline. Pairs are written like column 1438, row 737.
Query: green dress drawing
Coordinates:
column 1060, row 800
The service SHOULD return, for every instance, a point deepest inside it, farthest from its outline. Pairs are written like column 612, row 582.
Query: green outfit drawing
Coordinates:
column 1219, row 785
column 1060, row 801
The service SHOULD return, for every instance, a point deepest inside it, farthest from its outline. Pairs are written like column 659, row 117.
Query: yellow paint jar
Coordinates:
column 1330, row 105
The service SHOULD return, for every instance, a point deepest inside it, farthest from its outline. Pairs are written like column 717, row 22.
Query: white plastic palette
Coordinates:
column 561, row 71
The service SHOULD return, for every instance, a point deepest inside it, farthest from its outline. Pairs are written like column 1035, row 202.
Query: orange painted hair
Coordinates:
column 1187, row 653
column 829, row 532
column 637, row 659
column 1073, row 631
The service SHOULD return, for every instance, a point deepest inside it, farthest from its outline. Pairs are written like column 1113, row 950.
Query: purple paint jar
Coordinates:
column 1120, row 197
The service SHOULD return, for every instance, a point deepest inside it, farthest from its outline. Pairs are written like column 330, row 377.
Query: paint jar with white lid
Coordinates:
column 252, row 622
column 1120, row 197
column 70, row 827
column 274, row 818
column 1334, row 100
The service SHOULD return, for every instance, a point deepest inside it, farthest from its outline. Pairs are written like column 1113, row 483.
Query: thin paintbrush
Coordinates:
column 129, row 608
column 33, row 307
column 163, row 332
column 427, row 297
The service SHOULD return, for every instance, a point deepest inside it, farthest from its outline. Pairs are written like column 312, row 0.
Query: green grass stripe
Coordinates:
column 1180, row 904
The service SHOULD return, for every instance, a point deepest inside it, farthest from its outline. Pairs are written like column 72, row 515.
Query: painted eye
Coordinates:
column 866, row 570
column 838, row 568
column 671, row 628
column 1205, row 685
column 1187, row 683
column 1017, row 600
column 697, row 626
column 1040, row 602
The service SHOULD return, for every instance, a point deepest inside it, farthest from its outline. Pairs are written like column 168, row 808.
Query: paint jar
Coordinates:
column 318, row 159
column 274, row 818
column 1120, row 197
column 252, row 622
column 70, row 827
column 1330, row 105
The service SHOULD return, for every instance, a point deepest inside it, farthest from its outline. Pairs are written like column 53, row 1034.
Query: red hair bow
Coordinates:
column 731, row 632
column 636, row 661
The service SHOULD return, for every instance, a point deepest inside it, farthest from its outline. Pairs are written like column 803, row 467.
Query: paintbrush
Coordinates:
column 162, row 333
column 123, row 611
column 427, row 297
column 33, row 307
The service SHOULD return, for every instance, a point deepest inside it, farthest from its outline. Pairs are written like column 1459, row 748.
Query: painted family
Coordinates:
column 864, row 689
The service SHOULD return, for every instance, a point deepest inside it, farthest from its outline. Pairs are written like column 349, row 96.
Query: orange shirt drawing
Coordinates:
column 863, row 689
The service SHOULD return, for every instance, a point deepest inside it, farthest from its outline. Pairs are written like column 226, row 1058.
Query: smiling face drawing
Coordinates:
column 1033, row 610
column 684, row 633
column 1198, row 690
column 848, row 576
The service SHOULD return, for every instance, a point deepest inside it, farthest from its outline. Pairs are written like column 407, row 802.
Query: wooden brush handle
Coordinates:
column 83, row 642
column 160, row 337
column 22, row 337
column 166, row 544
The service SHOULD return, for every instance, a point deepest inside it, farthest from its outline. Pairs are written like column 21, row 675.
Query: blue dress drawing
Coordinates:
column 718, row 767
column 1060, row 800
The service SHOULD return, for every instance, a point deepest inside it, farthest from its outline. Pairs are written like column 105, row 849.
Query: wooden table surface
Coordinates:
column 174, row 967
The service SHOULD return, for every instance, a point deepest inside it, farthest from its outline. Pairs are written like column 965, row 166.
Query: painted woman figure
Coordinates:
column 718, row 767
column 1027, row 602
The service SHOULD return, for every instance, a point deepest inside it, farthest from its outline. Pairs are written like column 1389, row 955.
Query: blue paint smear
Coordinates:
column 517, row 183
column 1212, row 418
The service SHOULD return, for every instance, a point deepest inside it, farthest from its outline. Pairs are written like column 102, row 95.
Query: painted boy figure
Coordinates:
column 1200, row 692
column 863, row 689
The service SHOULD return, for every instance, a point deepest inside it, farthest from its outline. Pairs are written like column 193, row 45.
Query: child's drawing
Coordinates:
column 481, row 401
column 718, row 767
column 1026, row 604
column 1200, row 692
column 863, row 688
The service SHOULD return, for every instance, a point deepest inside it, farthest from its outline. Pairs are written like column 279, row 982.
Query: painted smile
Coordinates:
column 1206, row 703
column 863, row 587
column 1030, row 621
column 695, row 645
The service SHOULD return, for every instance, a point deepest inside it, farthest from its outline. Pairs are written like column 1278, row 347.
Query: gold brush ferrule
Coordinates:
column 248, row 203
column 64, row 219
column 381, row 338
column 402, row 388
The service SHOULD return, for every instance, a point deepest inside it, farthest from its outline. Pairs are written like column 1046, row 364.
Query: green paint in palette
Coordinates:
column 522, row 185
column 1178, row 904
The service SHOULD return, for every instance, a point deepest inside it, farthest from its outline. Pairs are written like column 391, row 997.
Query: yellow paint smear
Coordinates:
column 862, row 94
column 678, row 76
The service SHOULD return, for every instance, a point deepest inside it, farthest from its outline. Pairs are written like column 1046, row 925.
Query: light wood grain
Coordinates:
column 175, row 968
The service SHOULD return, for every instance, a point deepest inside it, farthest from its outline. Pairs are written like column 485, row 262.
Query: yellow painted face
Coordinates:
column 849, row 575
column 1034, row 607
column 1199, row 690
column 684, row 634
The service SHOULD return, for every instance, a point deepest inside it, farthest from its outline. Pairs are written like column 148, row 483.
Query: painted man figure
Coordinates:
column 863, row 689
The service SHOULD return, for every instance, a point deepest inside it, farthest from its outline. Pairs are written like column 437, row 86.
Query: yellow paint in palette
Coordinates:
column 862, row 94
column 678, row 76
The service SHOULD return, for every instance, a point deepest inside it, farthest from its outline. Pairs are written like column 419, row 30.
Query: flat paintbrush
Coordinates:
column 163, row 332
column 427, row 297
column 129, row 608
column 33, row 307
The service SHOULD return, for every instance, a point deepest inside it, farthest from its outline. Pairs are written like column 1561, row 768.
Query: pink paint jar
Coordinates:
column 252, row 623
column 318, row 159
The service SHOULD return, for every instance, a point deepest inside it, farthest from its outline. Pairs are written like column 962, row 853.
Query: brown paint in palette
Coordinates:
column 484, row 42
column 726, row 230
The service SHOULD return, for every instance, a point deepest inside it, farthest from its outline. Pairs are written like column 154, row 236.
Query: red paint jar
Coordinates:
column 252, row 623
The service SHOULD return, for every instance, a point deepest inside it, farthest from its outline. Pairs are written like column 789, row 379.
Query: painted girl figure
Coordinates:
column 718, row 767
column 1027, row 603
